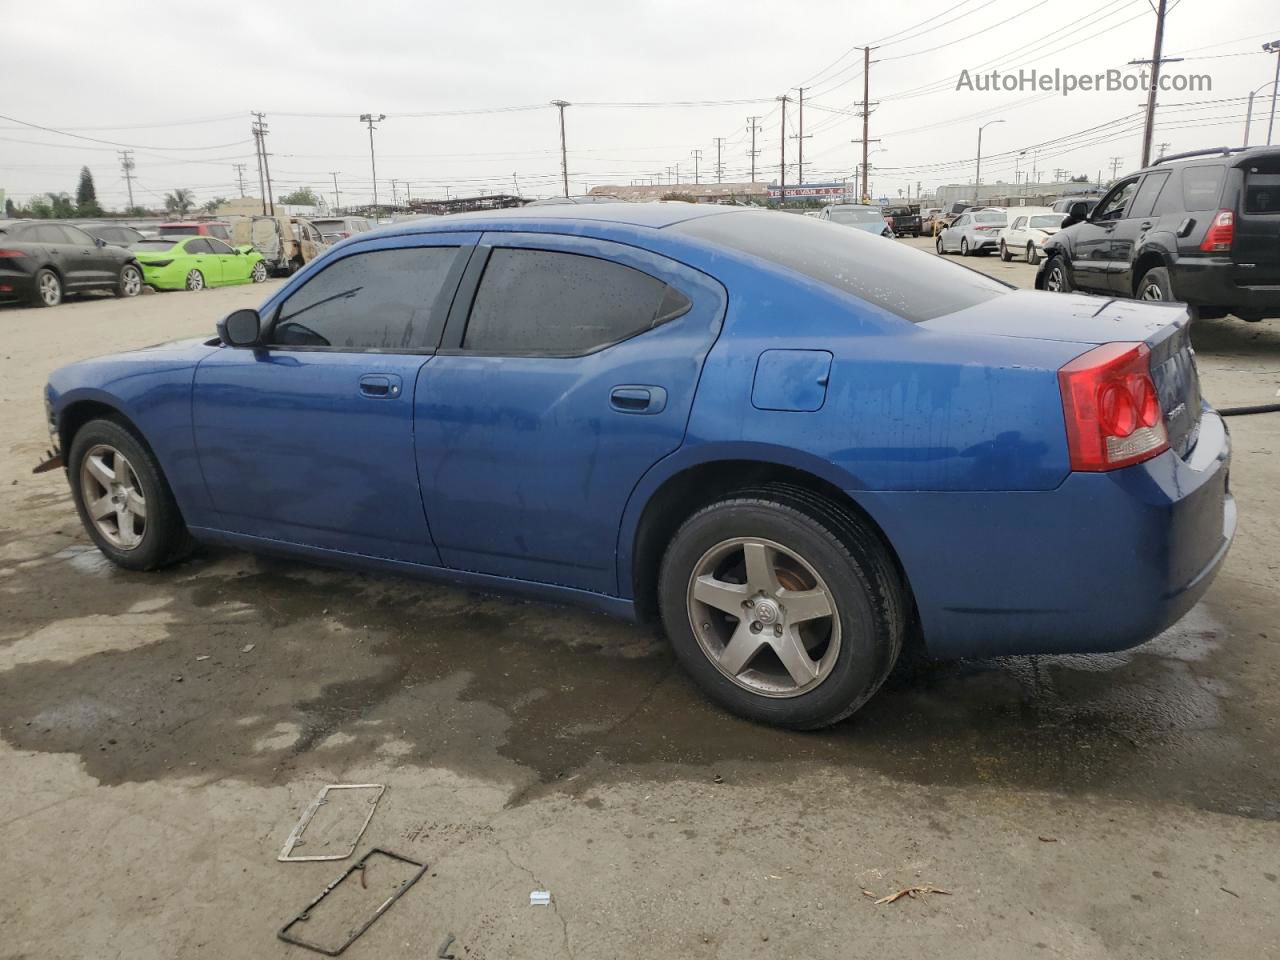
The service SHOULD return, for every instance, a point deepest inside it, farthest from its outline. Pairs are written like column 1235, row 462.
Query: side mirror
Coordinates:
column 1077, row 213
column 241, row 328
column 99, row 242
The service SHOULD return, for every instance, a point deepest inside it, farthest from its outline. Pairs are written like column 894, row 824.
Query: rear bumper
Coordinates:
column 1104, row 562
column 1215, row 282
column 15, row 285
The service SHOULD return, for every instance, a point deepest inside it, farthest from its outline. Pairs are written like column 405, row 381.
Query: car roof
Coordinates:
column 1029, row 211
column 655, row 214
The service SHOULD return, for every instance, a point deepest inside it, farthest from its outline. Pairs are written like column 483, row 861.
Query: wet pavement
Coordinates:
column 159, row 734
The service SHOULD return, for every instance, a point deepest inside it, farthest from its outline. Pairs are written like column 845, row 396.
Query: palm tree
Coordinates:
column 180, row 201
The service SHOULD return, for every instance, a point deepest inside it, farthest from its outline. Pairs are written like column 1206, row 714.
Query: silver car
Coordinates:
column 975, row 231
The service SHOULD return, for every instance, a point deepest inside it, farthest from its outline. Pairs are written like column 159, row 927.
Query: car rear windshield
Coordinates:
column 152, row 245
column 911, row 284
column 854, row 215
column 1047, row 220
column 330, row 226
column 989, row 218
column 1262, row 186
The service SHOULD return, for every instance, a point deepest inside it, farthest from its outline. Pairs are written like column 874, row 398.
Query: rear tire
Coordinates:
column 814, row 548
column 1155, row 285
column 964, row 246
column 163, row 536
column 1005, row 255
column 195, row 280
column 47, row 288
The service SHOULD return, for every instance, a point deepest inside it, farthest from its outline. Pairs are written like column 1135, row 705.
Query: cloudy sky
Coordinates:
column 466, row 89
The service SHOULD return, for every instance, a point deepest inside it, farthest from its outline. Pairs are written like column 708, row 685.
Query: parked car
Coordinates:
column 903, row 219
column 333, row 229
column 116, row 234
column 800, row 454
column 951, row 214
column 286, row 243
column 174, row 263
column 583, row 198
column 1202, row 228
column 860, row 216
column 1027, row 232
column 930, row 219
column 1064, row 204
column 975, row 231
column 41, row 261
column 196, row 228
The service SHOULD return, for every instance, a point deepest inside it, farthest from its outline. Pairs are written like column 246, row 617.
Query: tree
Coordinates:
column 306, row 197
column 211, row 206
column 10, row 209
column 180, row 201
column 1080, row 179
column 87, row 196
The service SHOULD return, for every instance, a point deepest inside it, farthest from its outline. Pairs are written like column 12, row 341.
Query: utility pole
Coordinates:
column 336, row 197
column 408, row 196
column 866, row 114
column 257, row 153
column 1115, row 166
column 1164, row 148
column 515, row 183
column 977, row 173
column 719, row 165
column 754, row 128
column 697, row 155
column 260, row 132
column 564, row 156
column 1272, row 47
column 126, row 168
column 240, row 177
column 677, row 172
column 369, row 119
column 393, row 193
column 800, row 139
column 782, row 143
column 1148, row 125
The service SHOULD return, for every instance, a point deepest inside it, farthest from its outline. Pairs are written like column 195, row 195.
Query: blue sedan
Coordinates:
column 802, row 448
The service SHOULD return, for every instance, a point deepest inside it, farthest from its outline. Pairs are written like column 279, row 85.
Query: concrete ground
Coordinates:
column 161, row 733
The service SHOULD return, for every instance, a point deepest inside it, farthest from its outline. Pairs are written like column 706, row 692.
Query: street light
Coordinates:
column 1273, row 47
column 977, row 175
column 370, row 119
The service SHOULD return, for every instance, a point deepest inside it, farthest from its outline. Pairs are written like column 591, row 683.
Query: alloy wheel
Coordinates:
column 259, row 274
column 964, row 246
column 764, row 617
column 113, row 496
column 1054, row 280
column 195, row 280
column 130, row 282
column 1152, row 292
column 50, row 289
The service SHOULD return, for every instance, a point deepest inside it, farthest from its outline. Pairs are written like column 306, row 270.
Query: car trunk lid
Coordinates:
column 1089, row 321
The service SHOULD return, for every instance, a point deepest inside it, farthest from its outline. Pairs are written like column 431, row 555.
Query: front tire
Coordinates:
column 195, row 280
column 1033, row 255
column 1005, row 255
column 123, row 499
column 1056, row 278
column 259, row 272
column 782, row 607
column 130, row 283
column 47, row 288
column 942, row 251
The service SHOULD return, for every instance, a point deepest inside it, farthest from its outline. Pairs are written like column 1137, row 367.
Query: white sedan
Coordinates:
column 1027, row 231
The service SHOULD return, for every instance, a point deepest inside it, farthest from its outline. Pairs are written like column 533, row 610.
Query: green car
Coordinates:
column 193, row 263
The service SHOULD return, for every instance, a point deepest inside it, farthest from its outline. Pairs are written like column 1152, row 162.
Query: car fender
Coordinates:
column 1162, row 245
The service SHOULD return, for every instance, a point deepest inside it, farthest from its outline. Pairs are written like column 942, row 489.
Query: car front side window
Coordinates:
column 1113, row 207
column 382, row 300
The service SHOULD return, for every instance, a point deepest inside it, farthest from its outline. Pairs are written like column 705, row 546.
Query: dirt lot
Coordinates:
column 160, row 735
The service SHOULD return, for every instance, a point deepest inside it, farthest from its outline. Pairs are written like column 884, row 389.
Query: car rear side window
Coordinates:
column 1202, row 186
column 1144, row 201
column 533, row 302
column 199, row 245
column 386, row 300
column 911, row 284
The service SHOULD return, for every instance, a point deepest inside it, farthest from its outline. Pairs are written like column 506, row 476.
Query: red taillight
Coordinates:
column 11, row 254
column 1111, row 408
column 1217, row 239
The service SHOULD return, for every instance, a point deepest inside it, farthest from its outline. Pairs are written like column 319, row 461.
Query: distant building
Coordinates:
column 1001, row 191
column 835, row 191
column 702, row 192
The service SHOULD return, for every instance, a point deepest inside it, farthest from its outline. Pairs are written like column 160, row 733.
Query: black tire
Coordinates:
column 1005, row 255
column 1058, row 269
column 130, row 282
column 1033, row 255
column 1155, row 285
column 46, row 288
column 857, row 569
column 964, row 246
column 942, row 252
column 165, row 538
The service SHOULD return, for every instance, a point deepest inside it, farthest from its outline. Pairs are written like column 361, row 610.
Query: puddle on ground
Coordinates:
column 269, row 668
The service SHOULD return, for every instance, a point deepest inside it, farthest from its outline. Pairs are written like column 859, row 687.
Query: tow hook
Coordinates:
column 52, row 461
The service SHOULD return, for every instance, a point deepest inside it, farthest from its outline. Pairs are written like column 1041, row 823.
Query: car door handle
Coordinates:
column 380, row 385
column 638, row 398
column 1144, row 225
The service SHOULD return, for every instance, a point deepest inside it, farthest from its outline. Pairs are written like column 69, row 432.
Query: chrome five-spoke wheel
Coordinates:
column 764, row 617
column 113, row 497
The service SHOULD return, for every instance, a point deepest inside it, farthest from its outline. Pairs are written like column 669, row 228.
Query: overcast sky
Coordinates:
column 176, row 82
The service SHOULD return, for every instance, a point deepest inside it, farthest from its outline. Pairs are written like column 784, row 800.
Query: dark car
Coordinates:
column 799, row 445
column 903, row 219
column 114, row 233
column 1065, row 204
column 41, row 260
column 196, row 228
column 1202, row 228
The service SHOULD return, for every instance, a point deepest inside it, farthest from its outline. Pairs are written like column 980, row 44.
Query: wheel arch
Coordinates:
column 76, row 413
column 1149, row 259
column 656, row 514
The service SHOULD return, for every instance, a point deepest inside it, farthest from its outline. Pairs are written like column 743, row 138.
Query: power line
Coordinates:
column 114, row 143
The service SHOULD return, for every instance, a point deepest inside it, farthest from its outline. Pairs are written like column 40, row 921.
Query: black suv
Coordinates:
column 42, row 259
column 903, row 219
column 1201, row 227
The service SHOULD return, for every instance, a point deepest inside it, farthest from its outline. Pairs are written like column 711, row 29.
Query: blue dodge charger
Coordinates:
column 799, row 446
